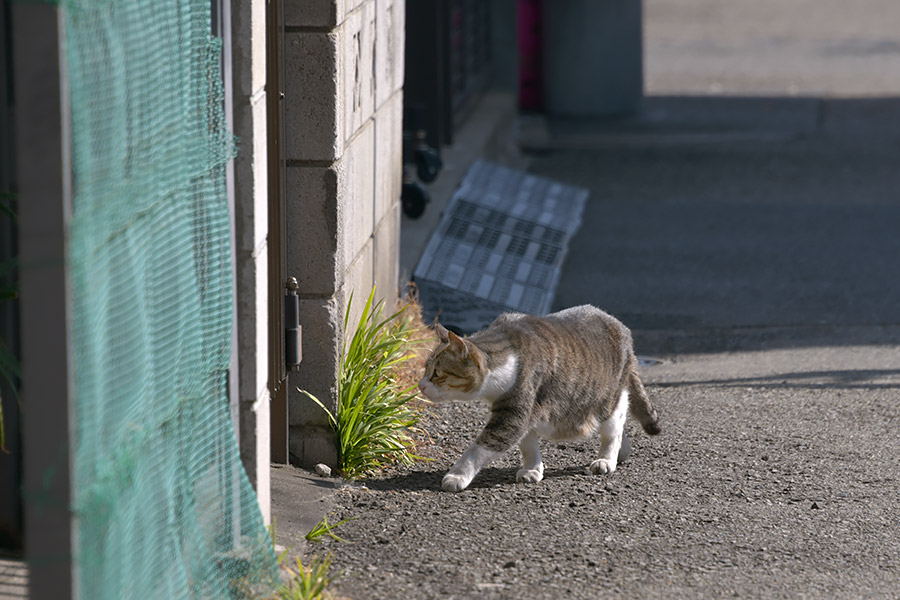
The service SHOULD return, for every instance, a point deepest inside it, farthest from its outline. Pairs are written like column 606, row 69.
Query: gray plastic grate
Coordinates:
column 499, row 247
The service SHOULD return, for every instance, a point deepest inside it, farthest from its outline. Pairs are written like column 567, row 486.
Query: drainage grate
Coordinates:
column 13, row 579
column 647, row 361
column 499, row 247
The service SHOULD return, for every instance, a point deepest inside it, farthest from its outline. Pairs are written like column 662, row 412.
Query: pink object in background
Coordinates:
column 531, row 81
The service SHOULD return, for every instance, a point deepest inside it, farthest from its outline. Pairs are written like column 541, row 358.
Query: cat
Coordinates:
column 561, row 376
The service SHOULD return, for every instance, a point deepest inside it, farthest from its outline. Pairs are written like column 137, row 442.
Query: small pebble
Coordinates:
column 323, row 470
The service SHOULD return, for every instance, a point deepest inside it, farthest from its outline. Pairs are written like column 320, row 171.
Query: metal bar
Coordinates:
column 45, row 205
column 11, row 462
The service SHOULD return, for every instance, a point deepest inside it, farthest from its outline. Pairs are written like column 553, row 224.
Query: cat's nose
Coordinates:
column 422, row 385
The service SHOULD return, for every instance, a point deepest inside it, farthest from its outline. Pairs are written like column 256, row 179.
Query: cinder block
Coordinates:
column 251, row 229
column 314, row 98
column 359, row 78
column 261, row 318
column 250, row 174
column 248, row 49
column 252, row 284
column 390, row 19
column 351, row 5
column 313, row 13
column 358, row 193
column 388, row 155
column 387, row 255
column 343, row 58
column 322, row 321
column 359, row 282
column 309, row 446
column 318, row 13
column 255, row 442
column 315, row 207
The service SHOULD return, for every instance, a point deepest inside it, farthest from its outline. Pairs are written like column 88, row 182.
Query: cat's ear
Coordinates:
column 442, row 332
column 458, row 343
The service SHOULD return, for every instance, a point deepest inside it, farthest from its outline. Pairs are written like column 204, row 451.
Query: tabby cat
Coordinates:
column 561, row 376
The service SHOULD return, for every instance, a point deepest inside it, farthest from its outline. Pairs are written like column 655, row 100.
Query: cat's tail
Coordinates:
column 639, row 404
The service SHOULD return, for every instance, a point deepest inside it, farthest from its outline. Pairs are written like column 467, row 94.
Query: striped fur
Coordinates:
column 561, row 376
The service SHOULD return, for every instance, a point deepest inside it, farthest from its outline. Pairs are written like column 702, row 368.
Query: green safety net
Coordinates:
column 162, row 505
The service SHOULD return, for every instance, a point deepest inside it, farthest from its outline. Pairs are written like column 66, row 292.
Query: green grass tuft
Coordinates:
column 323, row 528
column 374, row 416
column 309, row 581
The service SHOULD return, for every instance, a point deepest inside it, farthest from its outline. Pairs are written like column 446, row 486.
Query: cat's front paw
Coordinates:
column 528, row 476
column 454, row 483
column 602, row 466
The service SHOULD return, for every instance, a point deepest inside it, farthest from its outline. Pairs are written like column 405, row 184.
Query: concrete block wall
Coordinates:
column 248, row 56
column 343, row 122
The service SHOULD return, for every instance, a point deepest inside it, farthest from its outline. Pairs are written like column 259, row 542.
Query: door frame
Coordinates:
column 277, row 239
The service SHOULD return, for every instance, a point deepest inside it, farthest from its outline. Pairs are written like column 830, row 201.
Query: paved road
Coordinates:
column 772, row 47
column 750, row 238
column 783, row 213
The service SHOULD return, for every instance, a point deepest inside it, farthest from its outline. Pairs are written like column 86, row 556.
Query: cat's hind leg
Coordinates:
column 639, row 404
column 532, row 469
column 611, row 432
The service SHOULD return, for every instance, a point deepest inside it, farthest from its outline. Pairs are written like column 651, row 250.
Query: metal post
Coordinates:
column 44, row 201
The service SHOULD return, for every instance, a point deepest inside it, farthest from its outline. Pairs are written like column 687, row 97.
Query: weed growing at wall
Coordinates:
column 375, row 412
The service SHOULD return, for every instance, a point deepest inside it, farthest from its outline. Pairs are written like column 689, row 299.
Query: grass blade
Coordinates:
column 373, row 418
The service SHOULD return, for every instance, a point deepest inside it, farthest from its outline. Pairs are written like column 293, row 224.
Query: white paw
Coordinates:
column 529, row 475
column 602, row 466
column 454, row 483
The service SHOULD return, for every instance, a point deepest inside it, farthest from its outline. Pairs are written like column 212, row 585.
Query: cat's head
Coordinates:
column 455, row 370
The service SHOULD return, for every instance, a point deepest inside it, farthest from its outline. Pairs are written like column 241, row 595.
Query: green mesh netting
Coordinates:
column 163, row 507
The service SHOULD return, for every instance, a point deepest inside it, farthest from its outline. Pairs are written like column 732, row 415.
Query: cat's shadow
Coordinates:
column 489, row 477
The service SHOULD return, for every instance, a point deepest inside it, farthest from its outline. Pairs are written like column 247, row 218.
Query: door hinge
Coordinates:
column 293, row 336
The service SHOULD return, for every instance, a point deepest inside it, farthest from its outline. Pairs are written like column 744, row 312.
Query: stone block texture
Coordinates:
column 359, row 74
column 322, row 326
column 386, row 248
column 314, row 223
column 389, row 48
column 343, row 99
column 314, row 99
column 312, row 13
column 311, row 440
column 358, row 197
column 360, row 281
column 248, row 54
column 388, row 156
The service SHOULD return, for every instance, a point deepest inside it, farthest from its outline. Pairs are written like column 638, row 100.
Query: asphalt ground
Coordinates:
column 746, row 228
column 762, row 273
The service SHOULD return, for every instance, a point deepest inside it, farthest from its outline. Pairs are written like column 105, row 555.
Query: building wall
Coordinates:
column 343, row 149
column 248, row 80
